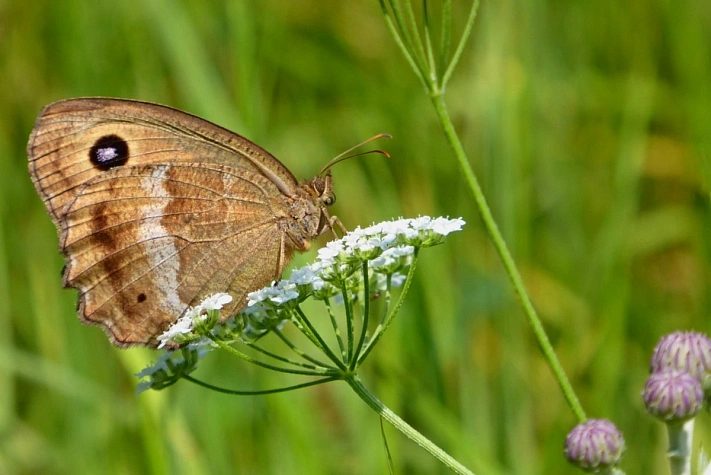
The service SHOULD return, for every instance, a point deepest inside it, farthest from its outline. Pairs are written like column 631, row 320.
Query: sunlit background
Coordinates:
column 589, row 127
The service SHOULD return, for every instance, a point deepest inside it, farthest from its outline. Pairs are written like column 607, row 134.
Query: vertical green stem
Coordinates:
column 366, row 317
column 679, row 451
column 404, row 427
column 508, row 262
column 349, row 321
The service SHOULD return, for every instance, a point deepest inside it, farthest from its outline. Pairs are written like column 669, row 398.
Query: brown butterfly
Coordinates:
column 156, row 209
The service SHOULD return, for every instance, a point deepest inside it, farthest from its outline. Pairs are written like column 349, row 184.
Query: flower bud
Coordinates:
column 684, row 351
column 672, row 395
column 596, row 444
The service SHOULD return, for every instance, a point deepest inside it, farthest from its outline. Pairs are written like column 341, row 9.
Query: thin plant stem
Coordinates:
column 304, row 326
column 388, row 297
column 336, row 328
column 404, row 427
column 320, row 343
column 386, row 446
column 410, row 24
column 404, row 40
column 506, row 258
column 249, row 359
column 433, row 63
column 405, row 289
column 283, row 359
column 349, row 321
column 435, row 89
column 462, row 42
column 380, row 330
column 299, row 351
column 366, row 316
column 257, row 393
column 445, row 35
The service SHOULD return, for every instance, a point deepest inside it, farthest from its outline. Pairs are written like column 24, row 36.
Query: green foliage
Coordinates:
column 588, row 125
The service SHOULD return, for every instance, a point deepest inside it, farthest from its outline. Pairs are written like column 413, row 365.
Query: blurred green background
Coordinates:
column 589, row 126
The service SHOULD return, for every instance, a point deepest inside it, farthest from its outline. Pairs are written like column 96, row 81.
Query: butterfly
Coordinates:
column 156, row 209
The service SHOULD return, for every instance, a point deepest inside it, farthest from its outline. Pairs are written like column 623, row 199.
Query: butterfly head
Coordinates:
column 323, row 187
column 322, row 184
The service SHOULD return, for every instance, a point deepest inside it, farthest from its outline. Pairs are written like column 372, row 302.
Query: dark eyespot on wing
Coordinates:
column 108, row 152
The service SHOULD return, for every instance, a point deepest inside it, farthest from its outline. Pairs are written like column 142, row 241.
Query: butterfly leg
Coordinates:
column 284, row 257
column 327, row 221
column 334, row 220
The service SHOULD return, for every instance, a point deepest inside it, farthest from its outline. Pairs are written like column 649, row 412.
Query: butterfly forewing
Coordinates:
column 66, row 131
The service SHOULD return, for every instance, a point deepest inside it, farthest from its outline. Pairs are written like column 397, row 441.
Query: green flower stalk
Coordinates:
column 433, row 65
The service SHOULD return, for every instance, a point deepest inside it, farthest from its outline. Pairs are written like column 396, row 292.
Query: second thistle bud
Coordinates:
column 684, row 351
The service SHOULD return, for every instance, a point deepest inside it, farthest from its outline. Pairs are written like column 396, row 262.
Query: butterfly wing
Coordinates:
column 77, row 139
column 169, row 209
column 144, row 243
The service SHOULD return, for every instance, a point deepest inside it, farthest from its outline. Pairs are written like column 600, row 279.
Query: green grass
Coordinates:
column 588, row 125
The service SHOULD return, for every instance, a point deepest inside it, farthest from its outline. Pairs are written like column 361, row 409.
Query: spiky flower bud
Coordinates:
column 672, row 395
column 684, row 351
column 594, row 445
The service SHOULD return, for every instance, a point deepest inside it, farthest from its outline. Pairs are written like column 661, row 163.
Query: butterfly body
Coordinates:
column 156, row 209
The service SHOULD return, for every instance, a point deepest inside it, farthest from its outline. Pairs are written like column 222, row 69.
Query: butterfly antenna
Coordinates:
column 344, row 156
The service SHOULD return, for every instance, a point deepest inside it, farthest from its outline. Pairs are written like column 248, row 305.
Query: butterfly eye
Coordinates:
column 329, row 200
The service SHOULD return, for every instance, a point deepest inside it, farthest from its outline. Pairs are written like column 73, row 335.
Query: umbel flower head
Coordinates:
column 205, row 313
column 362, row 265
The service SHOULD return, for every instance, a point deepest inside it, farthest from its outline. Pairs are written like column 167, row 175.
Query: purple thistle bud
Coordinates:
column 672, row 395
column 595, row 444
column 684, row 351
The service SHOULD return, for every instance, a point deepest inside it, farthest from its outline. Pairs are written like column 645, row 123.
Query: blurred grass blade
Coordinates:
column 431, row 61
column 411, row 48
column 445, row 42
column 462, row 42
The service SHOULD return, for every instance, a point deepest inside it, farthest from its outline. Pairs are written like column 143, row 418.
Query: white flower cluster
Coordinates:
column 387, row 247
column 193, row 316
